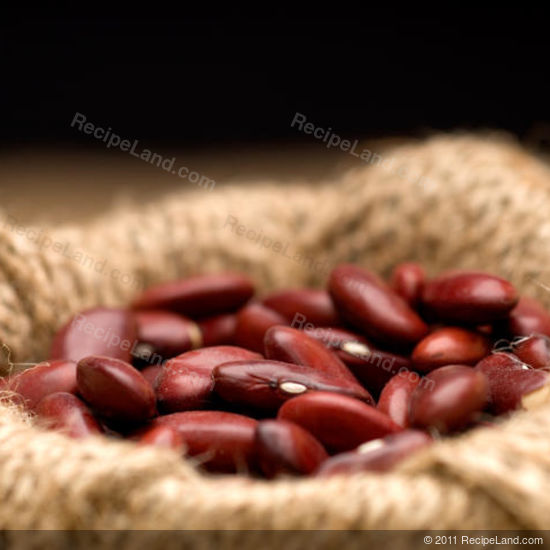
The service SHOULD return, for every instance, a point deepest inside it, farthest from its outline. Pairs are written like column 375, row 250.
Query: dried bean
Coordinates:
column 218, row 330
column 199, row 296
column 294, row 346
column 449, row 398
column 48, row 377
column 371, row 306
column 408, row 281
column 395, row 399
column 253, row 321
column 185, row 382
column 286, row 448
column 268, row 384
column 447, row 346
column 65, row 412
column 512, row 384
column 220, row 441
column 100, row 331
column 528, row 317
column 162, row 436
column 469, row 297
column 373, row 367
column 115, row 390
column 533, row 350
column 378, row 455
column 304, row 305
column 339, row 422
column 151, row 373
column 168, row 334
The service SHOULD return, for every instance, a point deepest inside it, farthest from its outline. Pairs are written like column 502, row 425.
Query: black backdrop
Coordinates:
column 208, row 80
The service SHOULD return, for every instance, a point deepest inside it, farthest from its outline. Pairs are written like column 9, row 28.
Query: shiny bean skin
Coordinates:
column 294, row 346
column 220, row 441
column 218, row 330
column 115, row 390
column 533, row 350
column 449, row 398
column 286, row 448
column 378, row 455
column 268, row 384
column 48, row 377
column 333, row 338
column 469, row 297
column 162, row 436
column 395, row 398
column 199, row 296
column 339, row 422
column 65, row 412
column 528, row 317
column 448, row 346
column 408, row 281
column 185, row 382
column 253, row 321
column 151, row 373
column 372, row 307
column 100, row 331
column 509, row 381
column 168, row 334
column 304, row 305
column 371, row 366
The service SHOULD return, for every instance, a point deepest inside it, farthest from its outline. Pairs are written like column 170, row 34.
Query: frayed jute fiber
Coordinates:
column 450, row 201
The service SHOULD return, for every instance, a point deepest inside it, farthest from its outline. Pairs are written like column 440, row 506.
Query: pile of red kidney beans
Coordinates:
column 302, row 381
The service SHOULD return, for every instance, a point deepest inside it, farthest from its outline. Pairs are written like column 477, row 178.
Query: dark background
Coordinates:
column 200, row 80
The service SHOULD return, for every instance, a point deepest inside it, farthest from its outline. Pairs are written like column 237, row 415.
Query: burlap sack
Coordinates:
column 452, row 201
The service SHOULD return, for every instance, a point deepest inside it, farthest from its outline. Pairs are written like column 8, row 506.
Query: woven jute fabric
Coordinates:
column 450, row 201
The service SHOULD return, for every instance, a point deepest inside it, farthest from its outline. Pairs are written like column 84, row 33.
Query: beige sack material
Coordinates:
column 452, row 201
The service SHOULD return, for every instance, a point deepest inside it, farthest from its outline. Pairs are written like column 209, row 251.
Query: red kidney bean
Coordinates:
column 378, row 455
column 372, row 366
column 199, row 296
column 286, row 448
column 294, row 346
column 447, row 346
column 469, row 297
column 497, row 368
column 253, row 321
column 168, row 334
column 531, row 388
column 533, row 350
column 151, row 374
column 162, row 436
column 449, row 398
column 333, row 338
column 408, row 281
column 268, row 384
column 99, row 331
column 395, row 399
column 371, row 306
column 221, row 441
column 510, row 380
column 65, row 412
column 185, row 382
column 218, row 330
column 339, row 422
column 304, row 305
column 528, row 317
column 48, row 377
column 115, row 390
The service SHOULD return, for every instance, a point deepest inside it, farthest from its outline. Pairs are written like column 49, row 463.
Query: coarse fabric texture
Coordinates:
column 450, row 201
